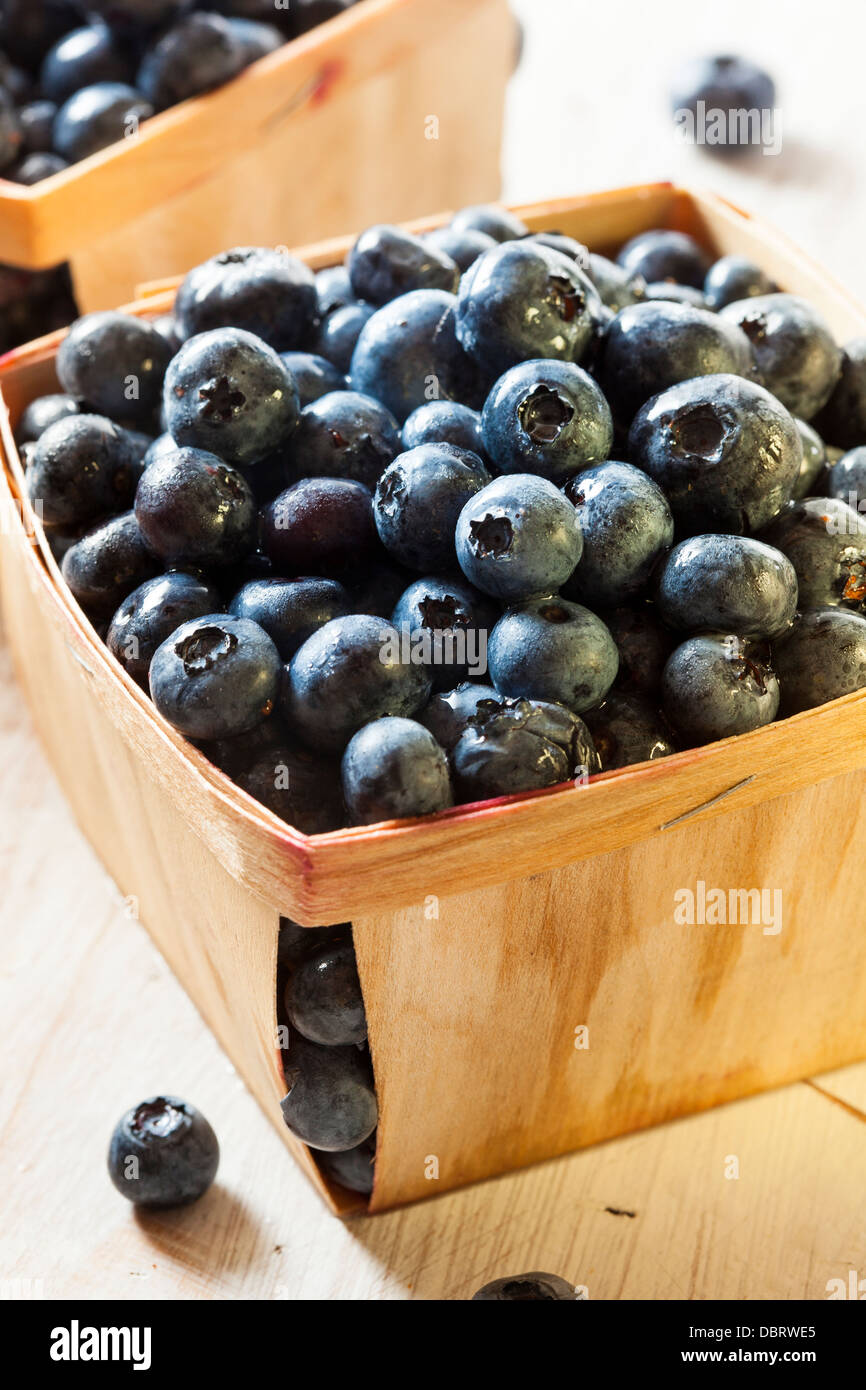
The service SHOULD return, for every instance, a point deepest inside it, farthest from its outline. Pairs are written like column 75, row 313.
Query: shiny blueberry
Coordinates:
column 352, row 1169
column 393, row 769
column 554, row 650
column 215, row 677
column 82, row 467
column 42, row 412
column 518, row 537
column 519, row 746
column 418, row 501
column 405, row 352
column 108, row 563
column 448, row 712
column 727, row 584
column 795, row 352
column 644, row 646
column 331, row 1102
column 387, row 262
column 464, row 246
column 290, row 610
column 345, row 434
column 717, row 685
column 546, row 417
column 151, row 613
column 337, row 335
column 664, row 255
column 163, row 1153
column 445, row 422
column 263, row 291
column 825, row 541
column 115, row 362
column 296, row 785
column 842, row 422
column 193, row 509
column 814, row 460
column 97, row 116
column 628, row 729
column 492, row 219
column 617, row 287
column 627, row 529
column 197, row 53
column 323, row 997
column 822, row 658
column 735, row 277
column 450, row 622
column 82, row 57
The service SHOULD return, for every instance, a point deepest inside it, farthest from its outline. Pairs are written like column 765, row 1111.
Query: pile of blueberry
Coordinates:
column 78, row 75
column 474, row 514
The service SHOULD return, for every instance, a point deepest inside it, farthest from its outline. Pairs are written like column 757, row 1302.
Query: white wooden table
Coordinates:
column 93, row 1020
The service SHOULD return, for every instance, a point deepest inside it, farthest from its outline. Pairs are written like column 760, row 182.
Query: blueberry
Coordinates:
column 663, row 255
column 842, row 422
column 116, row 362
column 519, row 746
column 215, row 676
column 492, row 219
column 352, row 1169
column 377, row 588
column 727, row 584
column 717, row 685
column 518, row 537
column 735, row 277
column 554, row 650
column 405, row 353
column 846, row 480
column 300, row 788
column 11, row 135
column 393, row 769
column 345, row 434
column 522, row 301
column 526, row 1288
column 823, row 657
column 82, row 57
column 36, row 119
column 323, row 997
column 726, row 454
column 228, row 392
column 37, row 167
column 722, row 84
column 195, row 510
column 795, row 353
column 338, row 334
column 617, row 287
column 151, row 613
column 333, row 289
column 82, row 467
column 448, row 713
column 108, row 563
column 651, row 347
column 296, row 943
column 318, row 526
column 627, row 528
column 814, row 460
column 546, row 417
column 265, row 292
column 464, row 246
column 313, row 376
column 565, row 245
column 290, row 610
column 167, row 327
column 350, row 672
column 825, row 540
column 331, row 1102
column 450, row 622
column 98, row 116
column 445, row 422
column 387, row 262
column 159, row 448
column 42, row 412
column 163, row 1153
column 257, row 39
column 644, row 646
column 628, row 729
column 672, row 293
column 199, row 52
column 418, row 500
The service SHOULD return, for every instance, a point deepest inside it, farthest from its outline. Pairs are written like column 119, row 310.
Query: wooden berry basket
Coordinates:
column 331, row 131
column 489, row 937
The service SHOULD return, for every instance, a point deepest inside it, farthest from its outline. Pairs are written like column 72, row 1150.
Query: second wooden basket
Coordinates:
column 530, row 983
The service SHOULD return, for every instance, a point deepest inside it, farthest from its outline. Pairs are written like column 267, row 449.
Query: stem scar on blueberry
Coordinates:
column 543, row 414
column 205, row 648
column 568, row 299
column 158, row 1117
column 221, row 399
column 492, row 535
column 700, row 432
column 442, row 614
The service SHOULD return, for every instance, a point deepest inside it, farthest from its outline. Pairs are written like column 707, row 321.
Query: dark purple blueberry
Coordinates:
column 319, row 526
column 842, row 422
column 313, row 376
column 463, row 246
column 295, row 942
column 814, row 460
column 37, row 123
column 35, row 168
column 345, row 435
column 163, row 1153
column 617, row 287
column 107, row 563
column 445, row 422
column 338, row 334
column 405, row 355
column 83, row 466
column 195, row 510
column 726, row 86
column 492, row 219
column 300, row 788
column 644, row 646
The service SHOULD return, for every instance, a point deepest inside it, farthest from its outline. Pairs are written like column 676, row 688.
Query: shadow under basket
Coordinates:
column 386, row 111
column 529, row 982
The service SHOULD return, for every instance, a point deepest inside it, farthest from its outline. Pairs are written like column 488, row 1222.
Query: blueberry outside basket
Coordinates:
column 528, row 987
column 380, row 114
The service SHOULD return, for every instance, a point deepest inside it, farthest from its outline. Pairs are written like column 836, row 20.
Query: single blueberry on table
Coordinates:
column 331, row 1102
column 42, row 412
column 107, row 563
column 722, row 83
column 98, row 116
column 193, row 509
column 734, row 277
column 627, row 528
column 393, row 769
column 527, row 1288
column 418, row 500
column 523, row 301
column 82, row 467
column 299, row 787
column 652, row 346
column 151, row 613
column 350, row 672
column 663, row 255
column 290, row 610
column 163, row 1153
column 337, row 335
column 825, row 541
column 628, row 729
column 354, row 1168
column 196, row 53
column 727, row 584
column 117, row 363
column 725, row 453
column 228, row 392
column 814, row 460
column 821, row 658
column 518, row 537
column 546, row 417
column 256, row 288
column 551, row 649
column 842, row 422
column 313, row 376
column 406, row 352
column 387, row 262
column 717, row 685
column 492, row 219
column 345, row 434
column 512, row 746
column 319, row 526
column 84, row 56
column 215, row 677
column 463, row 246
column 445, row 422
column 616, row 287
column 450, row 622
column 448, row 713
column 795, row 353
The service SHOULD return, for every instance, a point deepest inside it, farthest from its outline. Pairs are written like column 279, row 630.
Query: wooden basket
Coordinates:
column 489, row 937
column 332, row 131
